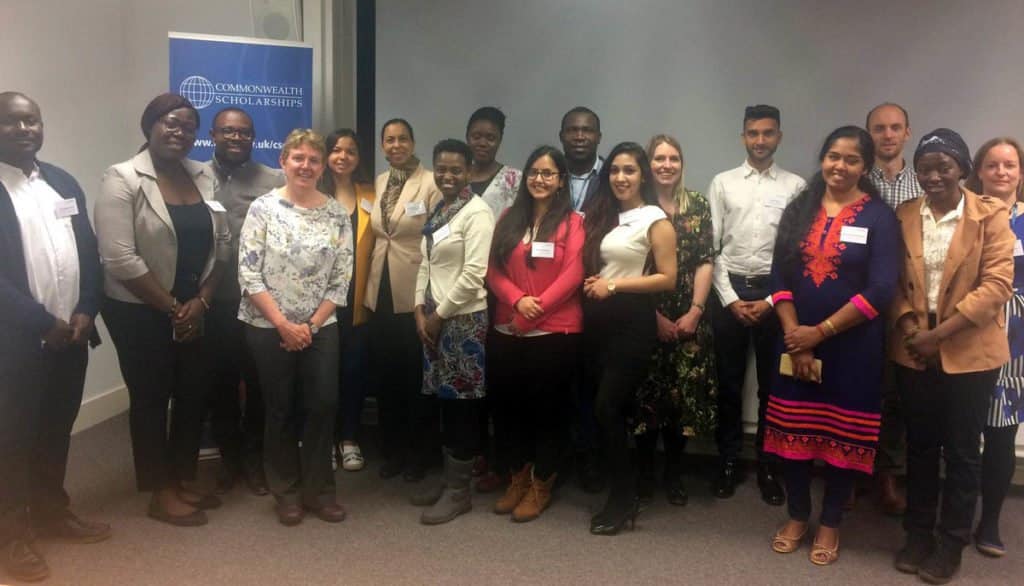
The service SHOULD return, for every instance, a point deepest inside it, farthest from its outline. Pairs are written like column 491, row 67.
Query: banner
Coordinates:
column 271, row 80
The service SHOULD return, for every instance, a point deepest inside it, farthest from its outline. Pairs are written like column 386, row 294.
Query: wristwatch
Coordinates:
column 611, row 286
column 313, row 328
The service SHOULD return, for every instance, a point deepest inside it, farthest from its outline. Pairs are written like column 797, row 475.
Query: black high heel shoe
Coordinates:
column 614, row 518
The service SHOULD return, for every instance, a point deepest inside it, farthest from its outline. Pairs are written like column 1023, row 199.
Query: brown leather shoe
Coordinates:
column 331, row 513
column 289, row 514
column 890, row 498
column 23, row 562
column 537, row 498
column 69, row 527
column 517, row 487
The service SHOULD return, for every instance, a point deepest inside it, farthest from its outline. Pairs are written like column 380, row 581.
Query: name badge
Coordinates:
column 66, row 208
column 442, row 233
column 853, row 234
column 546, row 250
column 415, row 208
column 1018, row 248
column 777, row 202
column 215, row 205
column 366, row 204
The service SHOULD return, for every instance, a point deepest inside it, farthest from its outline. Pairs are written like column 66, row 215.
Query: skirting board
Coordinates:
column 101, row 407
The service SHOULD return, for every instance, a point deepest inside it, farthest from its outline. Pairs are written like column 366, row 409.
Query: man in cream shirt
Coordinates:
column 746, row 205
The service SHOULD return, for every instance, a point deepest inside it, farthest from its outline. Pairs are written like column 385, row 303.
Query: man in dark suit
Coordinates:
column 49, row 294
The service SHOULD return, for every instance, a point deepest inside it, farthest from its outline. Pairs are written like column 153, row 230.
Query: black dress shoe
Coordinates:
column 615, row 517
column 771, row 488
column 729, row 475
column 193, row 519
column 942, row 565
column 69, row 527
column 23, row 562
column 391, row 468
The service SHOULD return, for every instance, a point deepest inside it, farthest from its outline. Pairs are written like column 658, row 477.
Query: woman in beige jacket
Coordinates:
column 948, row 341
column 405, row 196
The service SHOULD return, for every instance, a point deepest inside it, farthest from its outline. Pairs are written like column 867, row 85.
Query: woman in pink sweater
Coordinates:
column 535, row 272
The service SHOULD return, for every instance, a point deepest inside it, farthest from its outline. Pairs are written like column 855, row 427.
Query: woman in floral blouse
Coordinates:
column 678, row 399
column 294, row 268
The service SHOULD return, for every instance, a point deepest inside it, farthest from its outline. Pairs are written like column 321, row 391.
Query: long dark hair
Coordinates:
column 603, row 209
column 359, row 176
column 801, row 212
column 519, row 217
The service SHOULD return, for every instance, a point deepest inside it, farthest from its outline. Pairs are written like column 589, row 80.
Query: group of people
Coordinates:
column 563, row 303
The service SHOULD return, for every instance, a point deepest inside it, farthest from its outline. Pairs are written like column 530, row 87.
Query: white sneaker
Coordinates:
column 351, row 458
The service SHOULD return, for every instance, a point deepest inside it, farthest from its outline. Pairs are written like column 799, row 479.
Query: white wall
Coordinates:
column 92, row 65
column 689, row 68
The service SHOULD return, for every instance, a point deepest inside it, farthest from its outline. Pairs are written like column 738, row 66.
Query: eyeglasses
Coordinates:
column 543, row 174
column 230, row 131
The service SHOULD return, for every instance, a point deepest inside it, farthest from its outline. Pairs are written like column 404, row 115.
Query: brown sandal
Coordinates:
column 784, row 544
column 824, row 556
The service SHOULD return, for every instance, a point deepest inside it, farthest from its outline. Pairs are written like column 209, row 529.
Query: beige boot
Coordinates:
column 537, row 498
column 518, row 485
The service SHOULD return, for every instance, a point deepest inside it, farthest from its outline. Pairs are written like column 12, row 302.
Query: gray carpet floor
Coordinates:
column 707, row 542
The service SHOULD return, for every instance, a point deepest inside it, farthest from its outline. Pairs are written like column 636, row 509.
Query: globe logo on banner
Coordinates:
column 198, row 90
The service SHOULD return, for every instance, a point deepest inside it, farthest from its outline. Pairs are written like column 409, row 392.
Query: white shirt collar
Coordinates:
column 771, row 172
column 956, row 214
column 11, row 174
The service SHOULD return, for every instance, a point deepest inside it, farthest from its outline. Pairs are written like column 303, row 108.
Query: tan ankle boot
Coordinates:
column 536, row 500
column 518, row 485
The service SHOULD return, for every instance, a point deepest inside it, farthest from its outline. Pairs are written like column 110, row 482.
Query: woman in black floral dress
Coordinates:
column 678, row 400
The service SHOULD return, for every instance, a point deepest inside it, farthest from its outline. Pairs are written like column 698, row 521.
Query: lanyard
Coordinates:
column 577, row 200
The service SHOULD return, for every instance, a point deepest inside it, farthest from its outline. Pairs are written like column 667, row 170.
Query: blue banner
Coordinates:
column 271, row 80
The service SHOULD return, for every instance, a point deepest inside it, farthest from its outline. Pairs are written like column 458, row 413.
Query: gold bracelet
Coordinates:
column 831, row 327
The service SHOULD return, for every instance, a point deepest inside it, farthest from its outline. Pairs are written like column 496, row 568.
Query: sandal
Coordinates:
column 352, row 458
column 784, row 544
column 824, row 556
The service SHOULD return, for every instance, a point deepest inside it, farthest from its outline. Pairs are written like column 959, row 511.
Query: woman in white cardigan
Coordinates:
column 451, row 320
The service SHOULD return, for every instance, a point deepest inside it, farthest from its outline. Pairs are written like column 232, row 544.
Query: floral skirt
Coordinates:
column 456, row 369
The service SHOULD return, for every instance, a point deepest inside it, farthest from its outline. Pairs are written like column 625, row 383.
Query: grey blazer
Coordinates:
column 134, row 229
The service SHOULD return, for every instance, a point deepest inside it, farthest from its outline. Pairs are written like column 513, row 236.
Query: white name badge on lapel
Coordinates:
column 544, row 250
column 65, row 208
column 777, row 202
column 366, row 204
column 853, row 234
column 442, row 233
column 415, row 208
column 215, row 205
column 1018, row 248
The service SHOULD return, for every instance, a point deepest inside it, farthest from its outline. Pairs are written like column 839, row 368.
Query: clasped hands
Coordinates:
column 683, row 328
column 800, row 343
column 428, row 327
column 749, row 313
column 596, row 287
column 187, row 319
column 295, row 337
column 923, row 346
column 63, row 334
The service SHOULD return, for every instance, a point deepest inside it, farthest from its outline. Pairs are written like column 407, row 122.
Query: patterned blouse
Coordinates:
column 300, row 256
column 502, row 189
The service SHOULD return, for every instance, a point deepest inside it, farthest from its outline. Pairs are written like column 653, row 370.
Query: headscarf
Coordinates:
column 948, row 142
column 161, row 105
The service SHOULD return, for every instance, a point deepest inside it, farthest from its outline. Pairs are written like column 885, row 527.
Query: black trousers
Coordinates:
column 300, row 393
column 838, row 484
column 40, row 394
column 530, row 380
column 732, row 340
column 158, row 370
column 460, row 425
column 354, row 380
column 945, row 415
column 892, row 436
column 998, row 463
column 237, row 421
column 397, row 358
column 619, row 336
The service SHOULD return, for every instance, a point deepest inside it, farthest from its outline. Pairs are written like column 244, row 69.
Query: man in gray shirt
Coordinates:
column 238, row 434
